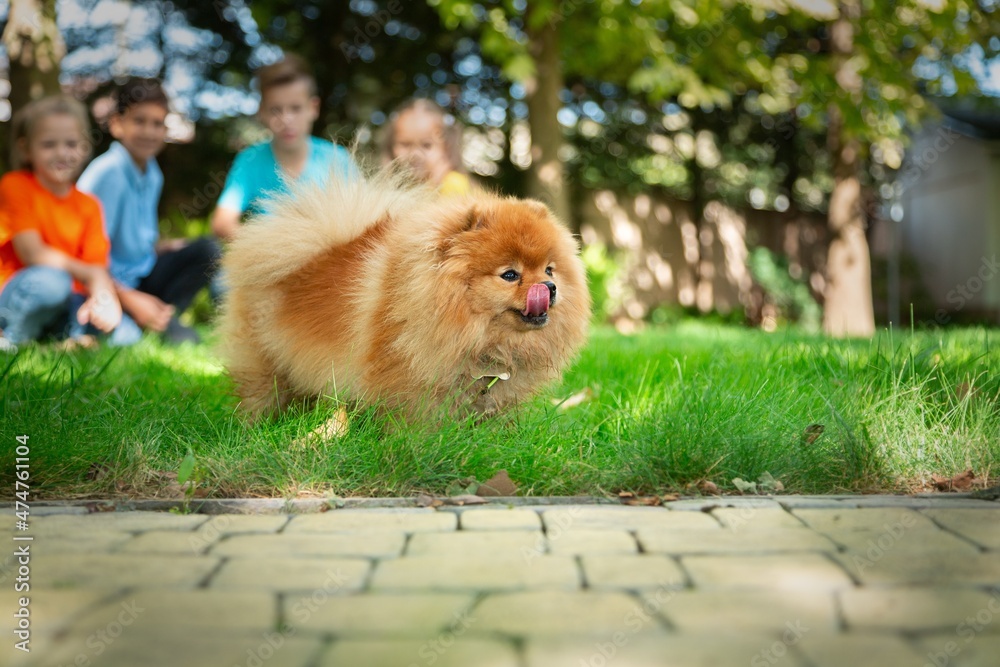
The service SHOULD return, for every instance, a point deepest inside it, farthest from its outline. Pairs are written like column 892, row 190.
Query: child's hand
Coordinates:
column 148, row 311
column 102, row 309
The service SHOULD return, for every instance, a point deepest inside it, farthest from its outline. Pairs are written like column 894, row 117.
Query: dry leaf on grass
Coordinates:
column 629, row 498
column 499, row 484
column 707, row 487
column 165, row 484
column 97, row 472
column 464, row 499
column 465, row 486
column 812, row 433
column 427, row 500
column 642, row 501
column 765, row 484
column 962, row 481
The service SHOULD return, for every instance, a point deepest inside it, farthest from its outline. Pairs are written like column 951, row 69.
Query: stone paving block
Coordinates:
column 982, row 526
column 764, row 540
column 714, row 649
column 378, row 544
column 113, row 571
column 38, row 509
column 475, row 543
column 756, row 518
column 857, row 650
column 170, row 542
column 500, row 519
column 324, row 576
column 635, row 572
column 202, row 609
column 917, row 539
column 921, row 501
column 885, row 500
column 812, row 502
column 444, row 650
column 768, row 612
column 458, row 572
column 386, row 615
column 399, row 520
column 965, row 650
column 777, row 572
column 703, row 504
column 549, row 613
column 869, row 519
column 129, row 522
column 917, row 609
column 623, row 518
column 50, row 610
column 81, row 543
column 229, row 524
column 172, row 647
column 590, row 541
column 902, row 565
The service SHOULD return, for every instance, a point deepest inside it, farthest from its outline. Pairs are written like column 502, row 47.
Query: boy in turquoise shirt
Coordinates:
column 288, row 108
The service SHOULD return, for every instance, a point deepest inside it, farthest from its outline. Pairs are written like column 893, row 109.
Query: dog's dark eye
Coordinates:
column 548, row 271
column 510, row 275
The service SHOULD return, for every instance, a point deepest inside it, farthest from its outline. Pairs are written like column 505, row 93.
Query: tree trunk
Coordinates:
column 546, row 179
column 848, row 307
column 35, row 48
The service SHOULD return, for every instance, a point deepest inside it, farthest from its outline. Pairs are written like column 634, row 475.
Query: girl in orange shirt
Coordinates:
column 53, row 250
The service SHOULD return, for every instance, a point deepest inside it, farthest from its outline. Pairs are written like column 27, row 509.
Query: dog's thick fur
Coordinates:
column 376, row 290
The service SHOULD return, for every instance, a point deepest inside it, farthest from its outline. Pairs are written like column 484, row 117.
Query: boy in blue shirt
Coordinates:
column 288, row 108
column 155, row 280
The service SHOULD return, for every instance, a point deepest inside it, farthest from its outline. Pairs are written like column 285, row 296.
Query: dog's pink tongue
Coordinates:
column 538, row 300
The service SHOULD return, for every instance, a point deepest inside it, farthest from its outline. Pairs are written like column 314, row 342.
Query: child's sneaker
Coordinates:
column 7, row 347
column 176, row 333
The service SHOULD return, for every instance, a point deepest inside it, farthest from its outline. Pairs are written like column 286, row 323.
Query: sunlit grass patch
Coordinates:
column 654, row 412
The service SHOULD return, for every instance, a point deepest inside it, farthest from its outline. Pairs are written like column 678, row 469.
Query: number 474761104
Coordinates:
column 23, row 474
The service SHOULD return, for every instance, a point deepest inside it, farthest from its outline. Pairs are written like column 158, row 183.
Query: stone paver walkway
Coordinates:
column 792, row 581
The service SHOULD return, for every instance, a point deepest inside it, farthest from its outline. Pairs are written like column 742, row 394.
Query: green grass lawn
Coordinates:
column 667, row 408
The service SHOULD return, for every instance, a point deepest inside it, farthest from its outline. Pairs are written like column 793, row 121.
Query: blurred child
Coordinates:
column 53, row 251
column 288, row 108
column 422, row 135
column 156, row 280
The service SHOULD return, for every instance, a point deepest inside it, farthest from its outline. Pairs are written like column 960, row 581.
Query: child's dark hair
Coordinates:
column 137, row 90
column 27, row 119
column 289, row 69
column 451, row 130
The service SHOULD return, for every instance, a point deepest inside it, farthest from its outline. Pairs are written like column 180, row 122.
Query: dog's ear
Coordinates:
column 538, row 207
column 475, row 218
column 469, row 220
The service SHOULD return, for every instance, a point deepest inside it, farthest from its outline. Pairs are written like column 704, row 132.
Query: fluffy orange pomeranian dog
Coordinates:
column 378, row 291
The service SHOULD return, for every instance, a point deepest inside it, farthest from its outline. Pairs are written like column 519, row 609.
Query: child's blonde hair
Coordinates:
column 451, row 131
column 26, row 121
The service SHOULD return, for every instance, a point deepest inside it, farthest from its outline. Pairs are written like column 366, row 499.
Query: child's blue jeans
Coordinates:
column 39, row 301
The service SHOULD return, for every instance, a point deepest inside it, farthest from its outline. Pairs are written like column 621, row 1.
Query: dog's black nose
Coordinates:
column 552, row 291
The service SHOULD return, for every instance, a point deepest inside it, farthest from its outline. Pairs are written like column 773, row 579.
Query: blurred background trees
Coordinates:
column 676, row 135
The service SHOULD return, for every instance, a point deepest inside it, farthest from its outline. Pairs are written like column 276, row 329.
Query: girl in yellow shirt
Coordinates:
column 421, row 134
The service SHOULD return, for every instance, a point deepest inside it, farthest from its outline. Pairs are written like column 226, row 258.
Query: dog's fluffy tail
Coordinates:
column 314, row 217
